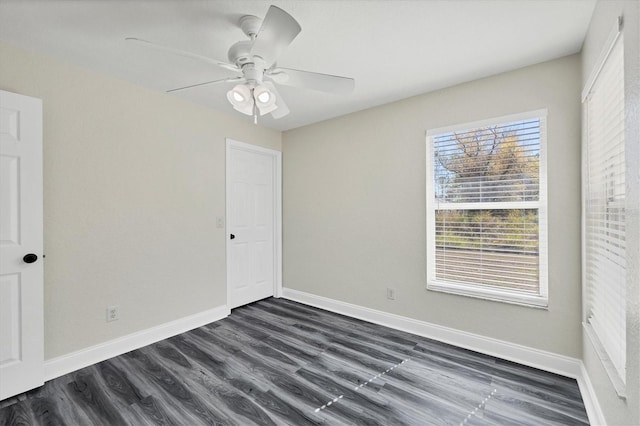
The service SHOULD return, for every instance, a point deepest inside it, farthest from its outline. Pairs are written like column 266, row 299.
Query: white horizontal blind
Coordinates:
column 486, row 207
column 605, row 209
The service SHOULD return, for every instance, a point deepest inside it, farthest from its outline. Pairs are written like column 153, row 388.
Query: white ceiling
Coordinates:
column 393, row 49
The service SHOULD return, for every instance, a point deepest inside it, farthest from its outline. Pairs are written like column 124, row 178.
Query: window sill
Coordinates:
column 614, row 376
column 530, row 301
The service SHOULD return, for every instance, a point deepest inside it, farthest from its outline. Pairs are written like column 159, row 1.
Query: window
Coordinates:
column 604, row 214
column 486, row 209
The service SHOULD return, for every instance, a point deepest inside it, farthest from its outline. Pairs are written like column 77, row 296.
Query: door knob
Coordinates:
column 30, row 258
column 232, row 236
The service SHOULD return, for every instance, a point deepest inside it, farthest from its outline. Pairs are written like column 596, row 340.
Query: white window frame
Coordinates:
column 540, row 300
column 617, row 380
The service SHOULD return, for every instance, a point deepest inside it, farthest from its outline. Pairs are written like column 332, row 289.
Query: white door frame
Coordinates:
column 277, row 216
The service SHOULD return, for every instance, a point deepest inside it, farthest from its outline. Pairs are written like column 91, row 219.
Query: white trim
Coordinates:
column 608, row 365
column 594, row 412
column 430, row 210
column 543, row 360
column 487, row 293
column 65, row 364
column 604, row 54
column 251, row 148
column 540, row 113
column 490, row 205
column 583, row 215
column 543, row 210
column 277, row 228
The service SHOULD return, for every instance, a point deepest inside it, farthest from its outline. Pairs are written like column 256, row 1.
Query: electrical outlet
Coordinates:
column 113, row 313
column 391, row 293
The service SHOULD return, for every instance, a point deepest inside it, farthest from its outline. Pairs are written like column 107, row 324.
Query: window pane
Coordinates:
column 497, row 163
column 488, row 248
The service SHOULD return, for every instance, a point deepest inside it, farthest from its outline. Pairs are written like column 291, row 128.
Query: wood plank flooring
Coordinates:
column 277, row 362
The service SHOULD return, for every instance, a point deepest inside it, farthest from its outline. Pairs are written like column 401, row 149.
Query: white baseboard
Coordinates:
column 543, row 360
column 596, row 416
column 65, row 364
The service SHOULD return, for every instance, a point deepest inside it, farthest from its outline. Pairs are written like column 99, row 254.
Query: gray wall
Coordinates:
column 618, row 411
column 354, row 206
column 134, row 180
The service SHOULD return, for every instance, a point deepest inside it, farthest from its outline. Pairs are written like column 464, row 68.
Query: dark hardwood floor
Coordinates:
column 279, row 362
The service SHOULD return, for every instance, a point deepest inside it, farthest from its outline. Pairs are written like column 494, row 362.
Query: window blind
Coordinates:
column 486, row 208
column 605, row 263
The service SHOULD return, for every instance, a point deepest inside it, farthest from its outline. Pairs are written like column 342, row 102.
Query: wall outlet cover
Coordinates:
column 113, row 313
column 391, row 293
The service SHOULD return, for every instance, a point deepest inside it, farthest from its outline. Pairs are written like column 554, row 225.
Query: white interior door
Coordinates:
column 21, row 271
column 253, row 206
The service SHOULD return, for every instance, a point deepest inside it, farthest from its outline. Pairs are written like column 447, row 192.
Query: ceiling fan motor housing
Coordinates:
column 240, row 53
column 252, row 67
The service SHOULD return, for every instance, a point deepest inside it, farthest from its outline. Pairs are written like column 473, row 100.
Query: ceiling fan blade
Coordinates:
column 276, row 33
column 282, row 109
column 224, row 80
column 183, row 53
column 311, row 80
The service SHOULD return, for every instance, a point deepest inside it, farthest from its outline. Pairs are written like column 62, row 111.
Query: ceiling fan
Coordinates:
column 254, row 61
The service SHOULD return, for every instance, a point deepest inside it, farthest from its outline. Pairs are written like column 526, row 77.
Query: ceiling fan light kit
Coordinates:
column 246, row 99
column 255, row 62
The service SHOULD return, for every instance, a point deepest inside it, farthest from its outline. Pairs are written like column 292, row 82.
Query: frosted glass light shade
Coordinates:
column 265, row 99
column 241, row 98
